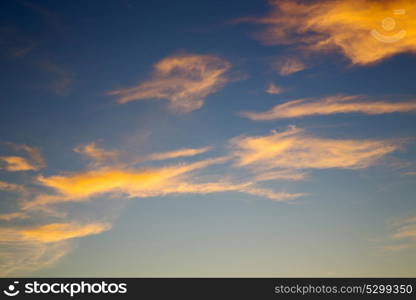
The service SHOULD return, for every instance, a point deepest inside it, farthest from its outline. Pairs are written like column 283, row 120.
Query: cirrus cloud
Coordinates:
column 185, row 80
column 143, row 183
column 365, row 31
column 29, row 248
column 340, row 104
column 33, row 162
column 293, row 149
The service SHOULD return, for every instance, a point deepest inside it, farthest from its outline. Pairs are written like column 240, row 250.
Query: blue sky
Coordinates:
column 208, row 138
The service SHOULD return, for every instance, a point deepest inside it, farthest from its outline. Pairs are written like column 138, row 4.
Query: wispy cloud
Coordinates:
column 403, row 235
column 5, row 186
column 33, row 152
column 340, row 104
column 275, row 157
column 56, row 232
column 286, row 66
column 28, row 248
column 292, row 175
column 142, row 183
column 185, row 80
column 13, row 216
column 103, row 157
column 19, row 257
column 177, row 153
column 407, row 230
column 14, row 163
column 274, row 89
column 96, row 154
column 293, row 149
column 365, row 31
column 22, row 194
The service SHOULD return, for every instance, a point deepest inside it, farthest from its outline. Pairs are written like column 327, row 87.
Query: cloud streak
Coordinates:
column 185, row 80
column 142, row 183
column 340, row 104
column 293, row 149
column 178, row 153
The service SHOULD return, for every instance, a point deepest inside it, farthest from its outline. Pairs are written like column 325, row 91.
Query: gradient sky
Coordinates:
column 207, row 138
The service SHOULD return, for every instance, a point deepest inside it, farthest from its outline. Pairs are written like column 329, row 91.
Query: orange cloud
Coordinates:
column 17, row 163
column 62, row 231
column 331, row 105
column 289, row 65
column 365, row 31
column 141, row 183
column 97, row 154
column 185, row 80
column 128, row 181
column 34, row 154
column 273, row 89
column 293, row 149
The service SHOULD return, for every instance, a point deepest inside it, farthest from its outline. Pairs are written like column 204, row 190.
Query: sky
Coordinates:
column 207, row 138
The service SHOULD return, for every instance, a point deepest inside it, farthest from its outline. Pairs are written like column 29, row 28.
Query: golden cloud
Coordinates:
column 129, row 181
column 17, row 163
column 62, row 231
column 140, row 183
column 365, row 31
column 97, row 154
column 340, row 104
column 293, row 149
column 185, row 80
column 53, row 232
